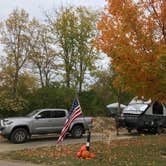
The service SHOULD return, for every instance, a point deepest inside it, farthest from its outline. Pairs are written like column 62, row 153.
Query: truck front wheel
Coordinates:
column 19, row 135
column 77, row 131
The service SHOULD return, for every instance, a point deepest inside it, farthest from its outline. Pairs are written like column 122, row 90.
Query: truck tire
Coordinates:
column 159, row 130
column 140, row 130
column 19, row 135
column 129, row 130
column 77, row 131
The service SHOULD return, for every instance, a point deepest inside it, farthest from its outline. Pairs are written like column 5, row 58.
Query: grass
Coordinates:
column 141, row 151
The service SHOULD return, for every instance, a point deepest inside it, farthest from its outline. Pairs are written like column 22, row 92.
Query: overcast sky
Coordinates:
column 36, row 7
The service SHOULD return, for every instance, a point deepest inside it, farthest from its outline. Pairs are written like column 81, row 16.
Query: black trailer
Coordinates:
column 143, row 116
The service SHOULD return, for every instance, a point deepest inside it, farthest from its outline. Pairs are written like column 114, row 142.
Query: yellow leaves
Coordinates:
column 135, row 44
column 13, row 105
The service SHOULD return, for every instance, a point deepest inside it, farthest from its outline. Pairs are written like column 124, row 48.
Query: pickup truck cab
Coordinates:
column 42, row 121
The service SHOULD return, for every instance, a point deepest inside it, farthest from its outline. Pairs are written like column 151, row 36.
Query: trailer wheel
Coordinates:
column 159, row 129
column 139, row 131
column 129, row 130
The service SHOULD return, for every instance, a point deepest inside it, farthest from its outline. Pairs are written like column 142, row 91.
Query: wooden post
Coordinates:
column 88, row 141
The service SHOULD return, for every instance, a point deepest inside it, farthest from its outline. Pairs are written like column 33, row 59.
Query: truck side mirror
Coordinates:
column 38, row 117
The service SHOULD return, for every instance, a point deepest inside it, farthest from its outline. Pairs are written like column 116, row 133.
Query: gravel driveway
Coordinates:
column 36, row 141
column 50, row 140
column 17, row 163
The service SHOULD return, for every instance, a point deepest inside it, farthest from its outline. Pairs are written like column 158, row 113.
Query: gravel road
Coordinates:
column 17, row 163
column 38, row 141
column 50, row 140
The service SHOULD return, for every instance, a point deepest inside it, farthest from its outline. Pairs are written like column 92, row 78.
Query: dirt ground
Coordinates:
column 104, row 125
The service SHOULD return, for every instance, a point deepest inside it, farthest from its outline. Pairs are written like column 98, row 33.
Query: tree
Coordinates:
column 26, row 84
column 16, row 44
column 73, row 29
column 86, row 54
column 109, row 93
column 64, row 31
column 42, row 53
column 133, row 34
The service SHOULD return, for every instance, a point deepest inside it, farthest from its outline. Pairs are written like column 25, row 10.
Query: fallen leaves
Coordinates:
column 147, row 150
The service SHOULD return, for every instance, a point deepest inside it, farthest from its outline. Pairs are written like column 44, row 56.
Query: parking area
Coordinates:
column 36, row 141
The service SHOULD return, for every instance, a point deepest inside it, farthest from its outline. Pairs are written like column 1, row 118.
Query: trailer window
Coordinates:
column 157, row 108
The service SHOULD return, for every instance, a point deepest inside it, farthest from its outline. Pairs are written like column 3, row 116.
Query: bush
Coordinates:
column 12, row 106
column 51, row 98
column 92, row 104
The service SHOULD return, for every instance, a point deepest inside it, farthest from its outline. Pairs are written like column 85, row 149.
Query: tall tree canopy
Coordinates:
column 14, row 37
column 43, row 55
column 133, row 34
column 74, row 29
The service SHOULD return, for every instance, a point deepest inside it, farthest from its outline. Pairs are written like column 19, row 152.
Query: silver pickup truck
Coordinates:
column 42, row 121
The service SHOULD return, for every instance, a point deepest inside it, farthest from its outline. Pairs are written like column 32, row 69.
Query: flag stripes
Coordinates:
column 74, row 113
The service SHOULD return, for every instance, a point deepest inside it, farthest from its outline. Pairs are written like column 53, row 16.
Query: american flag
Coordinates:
column 74, row 113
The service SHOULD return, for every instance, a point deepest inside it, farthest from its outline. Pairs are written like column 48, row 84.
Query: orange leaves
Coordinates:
column 48, row 153
column 131, row 34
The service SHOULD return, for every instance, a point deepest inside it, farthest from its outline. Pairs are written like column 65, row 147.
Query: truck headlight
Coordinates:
column 7, row 122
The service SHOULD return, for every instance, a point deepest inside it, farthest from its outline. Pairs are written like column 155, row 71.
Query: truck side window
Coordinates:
column 157, row 108
column 45, row 114
column 58, row 114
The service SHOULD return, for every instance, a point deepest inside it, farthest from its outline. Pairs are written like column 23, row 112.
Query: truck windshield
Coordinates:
column 32, row 113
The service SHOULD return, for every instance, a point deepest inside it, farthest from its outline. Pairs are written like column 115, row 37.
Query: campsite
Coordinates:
column 133, row 149
column 83, row 82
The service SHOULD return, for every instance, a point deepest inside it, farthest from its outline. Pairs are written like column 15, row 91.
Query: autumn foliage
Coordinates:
column 133, row 34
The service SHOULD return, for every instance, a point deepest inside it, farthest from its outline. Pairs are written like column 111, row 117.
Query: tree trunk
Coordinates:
column 15, row 85
column 80, row 76
column 67, row 75
column 41, row 77
column 47, row 81
column 119, row 99
column 119, row 110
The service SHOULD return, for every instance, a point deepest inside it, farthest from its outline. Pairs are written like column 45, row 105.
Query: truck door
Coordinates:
column 58, row 118
column 42, row 123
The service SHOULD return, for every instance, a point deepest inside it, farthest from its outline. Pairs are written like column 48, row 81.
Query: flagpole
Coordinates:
column 88, row 134
column 88, row 131
column 73, row 113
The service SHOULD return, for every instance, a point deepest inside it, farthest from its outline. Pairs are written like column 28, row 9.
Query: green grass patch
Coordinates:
column 140, row 151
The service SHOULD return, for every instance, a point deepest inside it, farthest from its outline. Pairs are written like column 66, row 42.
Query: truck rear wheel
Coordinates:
column 19, row 135
column 77, row 131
